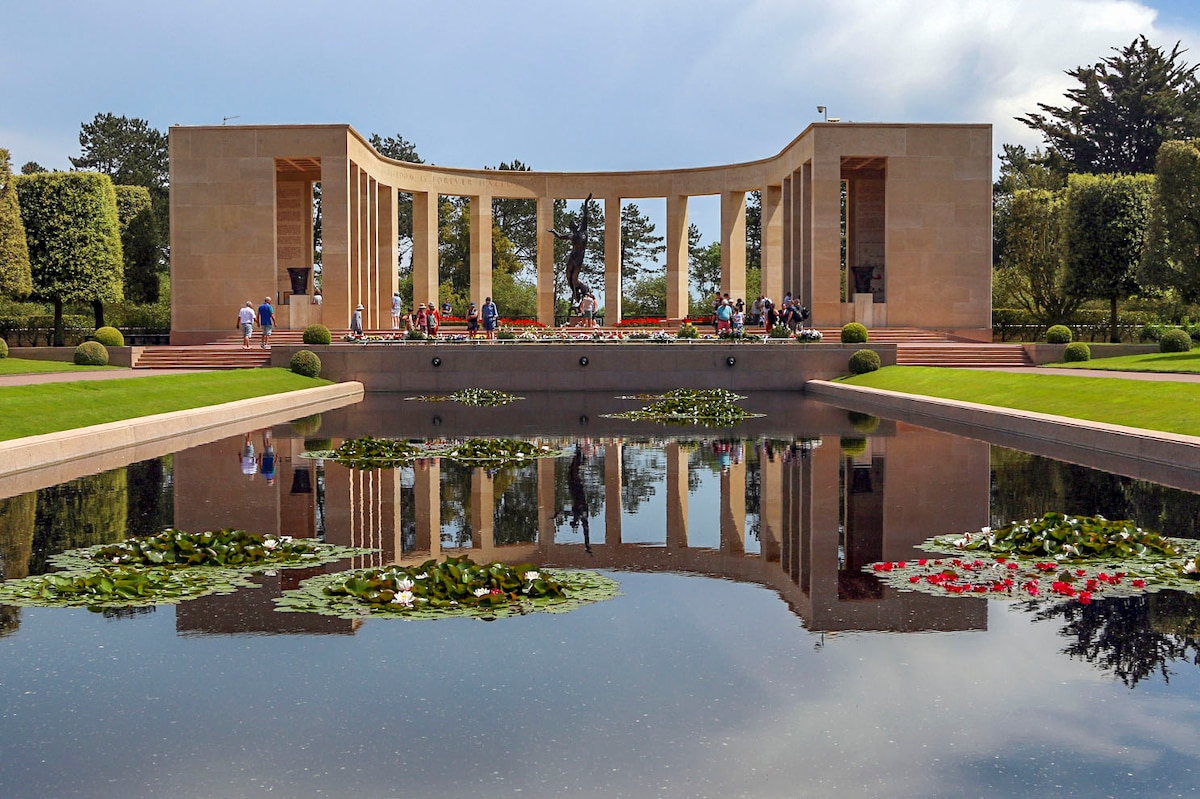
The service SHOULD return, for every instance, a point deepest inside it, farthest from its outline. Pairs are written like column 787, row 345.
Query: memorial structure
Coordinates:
column 884, row 224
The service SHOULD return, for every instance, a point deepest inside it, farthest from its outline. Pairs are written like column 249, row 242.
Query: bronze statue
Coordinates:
column 578, row 239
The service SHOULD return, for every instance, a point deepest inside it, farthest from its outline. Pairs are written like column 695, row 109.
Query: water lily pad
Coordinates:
column 714, row 407
column 121, row 586
column 377, row 453
column 479, row 397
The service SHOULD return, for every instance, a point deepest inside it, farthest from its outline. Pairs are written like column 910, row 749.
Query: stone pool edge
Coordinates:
column 1168, row 458
column 72, row 453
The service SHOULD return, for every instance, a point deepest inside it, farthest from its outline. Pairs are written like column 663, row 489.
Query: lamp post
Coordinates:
column 824, row 112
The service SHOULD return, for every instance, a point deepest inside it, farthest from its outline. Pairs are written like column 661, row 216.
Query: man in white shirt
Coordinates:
column 246, row 323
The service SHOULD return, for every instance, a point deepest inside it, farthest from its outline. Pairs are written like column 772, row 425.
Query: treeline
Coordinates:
column 1106, row 215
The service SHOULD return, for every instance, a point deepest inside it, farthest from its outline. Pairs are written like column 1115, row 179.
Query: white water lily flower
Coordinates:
column 404, row 584
column 481, row 592
column 117, row 559
column 421, row 576
column 985, row 530
column 287, row 539
column 532, row 575
column 1190, row 567
column 403, row 598
column 269, row 544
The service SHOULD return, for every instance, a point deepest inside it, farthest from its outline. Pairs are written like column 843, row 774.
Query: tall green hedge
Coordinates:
column 15, row 279
column 139, row 243
column 74, row 238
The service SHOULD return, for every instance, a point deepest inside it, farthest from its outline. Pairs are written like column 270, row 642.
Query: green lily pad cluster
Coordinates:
column 375, row 453
column 1056, row 557
column 225, row 548
column 121, row 586
column 453, row 587
column 479, row 397
column 713, row 407
column 1063, row 537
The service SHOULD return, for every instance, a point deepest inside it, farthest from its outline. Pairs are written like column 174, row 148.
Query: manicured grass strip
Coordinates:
column 25, row 366
column 1185, row 362
column 51, row 407
column 1171, row 407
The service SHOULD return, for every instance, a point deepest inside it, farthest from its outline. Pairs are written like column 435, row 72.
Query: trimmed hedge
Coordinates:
column 864, row 361
column 306, row 362
column 3, row 348
column 854, row 333
column 1078, row 351
column 1058, row 334
column 1175, row 341
column 91, row 353
column 317, row 334
column 109, row 336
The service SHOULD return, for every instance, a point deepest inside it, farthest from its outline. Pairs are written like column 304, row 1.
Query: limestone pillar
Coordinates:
column 794, row 229
column 425, row 247
column 388, row 259
column 772, row 244
column 367, row 250
column 805, row 232
column 789, row 243
column 335, row 241
column 481, row 249
column 612, row 493
column 612, row 260
column 677, row 496
column 545, row 260
column 733, row 245
column 677, row 256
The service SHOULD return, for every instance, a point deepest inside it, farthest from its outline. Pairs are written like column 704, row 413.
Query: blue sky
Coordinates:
column 615, row 85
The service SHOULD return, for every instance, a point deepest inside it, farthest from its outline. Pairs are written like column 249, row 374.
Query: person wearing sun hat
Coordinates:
column 266, row 321
column 356, row 320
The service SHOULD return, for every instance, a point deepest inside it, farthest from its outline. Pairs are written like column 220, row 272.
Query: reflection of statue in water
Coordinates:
column 578, row 239
column 579, row 503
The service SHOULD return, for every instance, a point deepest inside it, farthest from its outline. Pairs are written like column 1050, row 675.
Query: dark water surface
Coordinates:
column 747, row 654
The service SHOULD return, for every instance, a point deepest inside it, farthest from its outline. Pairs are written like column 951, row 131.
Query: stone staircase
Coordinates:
column 948, row 353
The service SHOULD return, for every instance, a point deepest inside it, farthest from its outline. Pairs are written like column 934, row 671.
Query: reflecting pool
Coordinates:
column 747, row 655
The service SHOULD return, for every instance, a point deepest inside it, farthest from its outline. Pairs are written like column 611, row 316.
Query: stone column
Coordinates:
column 826, row 240
column 677, row 496
column 425, row 246
column 805, row 228
column 795, row 230
column 545, row 260
column 481, row 249
column 612, row 493
column 772, row 244
column 677, row 256
column 335, row 241
column 733, row 245
column 612, row 260
column 789, row 242
column 388, row 279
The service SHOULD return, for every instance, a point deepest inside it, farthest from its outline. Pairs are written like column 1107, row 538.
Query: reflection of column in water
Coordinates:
column 770, row 505
column 677, row 495
column 483, row 512
column 547, row 509
column 427, row 504
column 612, row 493
column 733, row 508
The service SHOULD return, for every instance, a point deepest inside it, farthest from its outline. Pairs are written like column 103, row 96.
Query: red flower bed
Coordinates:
column 521, row 322
column 644, row 321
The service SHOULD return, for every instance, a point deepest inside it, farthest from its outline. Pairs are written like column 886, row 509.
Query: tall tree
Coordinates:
column 1032, row 265
column 1171, row 258
column 74, row 239
column 517, row 218
column 1124, row 108
column 640, row 248
column 132, row 153
column 1105, row 228
column 704, row 263
column 15, row 277
column 139, row 243
column 29, row 167
column 754, row 231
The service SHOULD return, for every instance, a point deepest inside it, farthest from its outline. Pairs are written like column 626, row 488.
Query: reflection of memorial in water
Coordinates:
column 821, row 514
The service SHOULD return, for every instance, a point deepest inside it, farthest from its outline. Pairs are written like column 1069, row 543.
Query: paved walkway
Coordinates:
column 99, row 374
column 1178, row 377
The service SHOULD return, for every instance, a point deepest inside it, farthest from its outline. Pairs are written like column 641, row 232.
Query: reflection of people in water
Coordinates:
column 579, row 503
column 247, row 459
column 267, row 463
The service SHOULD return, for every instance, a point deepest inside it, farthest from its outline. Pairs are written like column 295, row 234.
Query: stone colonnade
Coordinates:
column 917, row 211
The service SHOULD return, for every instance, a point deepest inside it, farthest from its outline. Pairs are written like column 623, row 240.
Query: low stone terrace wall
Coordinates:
column 583, row 366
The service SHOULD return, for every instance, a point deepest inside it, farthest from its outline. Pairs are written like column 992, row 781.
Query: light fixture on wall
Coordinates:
column 824, row 112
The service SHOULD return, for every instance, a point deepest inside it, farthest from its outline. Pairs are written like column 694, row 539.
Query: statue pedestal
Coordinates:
column 864, row 309
column 302, row 312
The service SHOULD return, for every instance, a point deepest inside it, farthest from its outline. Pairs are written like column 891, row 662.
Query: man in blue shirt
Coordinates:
column 266, row 320
column 491, row 315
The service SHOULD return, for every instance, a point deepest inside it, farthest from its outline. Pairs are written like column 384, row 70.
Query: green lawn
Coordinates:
column 22, row 366
column 51, row 407
column 1150, row 362
column 1172, row 407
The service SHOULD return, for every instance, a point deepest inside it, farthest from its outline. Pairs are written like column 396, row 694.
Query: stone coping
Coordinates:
column 36, row 461
column 1168, row 458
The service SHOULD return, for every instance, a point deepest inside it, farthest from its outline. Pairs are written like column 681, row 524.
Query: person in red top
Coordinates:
column 431, row 319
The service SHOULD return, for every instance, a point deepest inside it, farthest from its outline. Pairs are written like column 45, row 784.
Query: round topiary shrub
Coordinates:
column 1058, row 334
column 863, row 422
column 307, row 425
column 3, row 348
column 864, row 361
column 109, row 336
column 854, row 333
column 317, row 334
column 306, row 362
column 91, row 353
column 1077, row 352
column 853, row 446
column 1175, row 341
